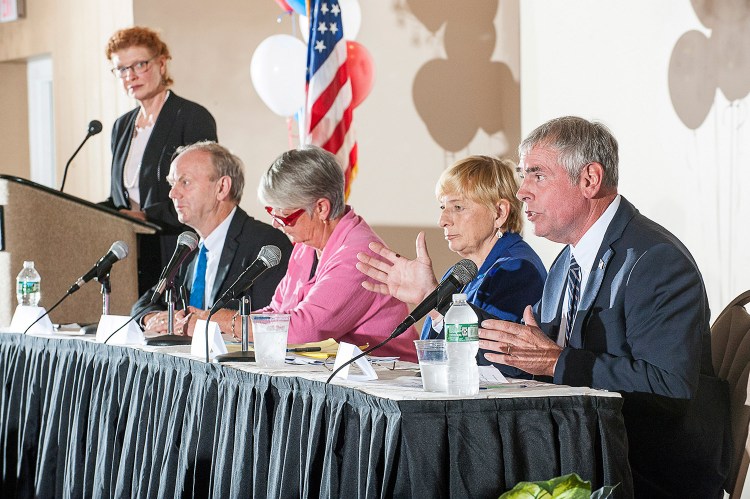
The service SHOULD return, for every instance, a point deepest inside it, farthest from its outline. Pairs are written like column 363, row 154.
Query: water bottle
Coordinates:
column 462, row 344
column 28, row 288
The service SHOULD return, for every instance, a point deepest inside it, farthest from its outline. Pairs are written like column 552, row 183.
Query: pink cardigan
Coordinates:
column 333, row 304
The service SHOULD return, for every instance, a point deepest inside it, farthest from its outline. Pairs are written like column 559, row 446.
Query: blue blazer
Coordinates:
column 642, row 329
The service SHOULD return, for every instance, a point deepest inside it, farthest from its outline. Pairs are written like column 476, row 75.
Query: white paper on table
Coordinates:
column 216, row 345
column 128, row 335
column 345, row 353
column 491, row 374
column 25, row 315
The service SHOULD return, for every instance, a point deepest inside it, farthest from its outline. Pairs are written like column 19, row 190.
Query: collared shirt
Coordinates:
column 585, row 252
column 214, row 243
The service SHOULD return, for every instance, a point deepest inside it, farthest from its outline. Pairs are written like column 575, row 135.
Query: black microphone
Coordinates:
column 186, row 244
column 269, row 256
column 463, row 272
column 95, row 126
column 117, row 252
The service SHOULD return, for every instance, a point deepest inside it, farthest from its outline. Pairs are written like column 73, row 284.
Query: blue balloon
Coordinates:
column 298, row 6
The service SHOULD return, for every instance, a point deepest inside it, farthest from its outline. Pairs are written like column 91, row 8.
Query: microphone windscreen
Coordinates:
column 95, row 126
column 189, row 239
column 465, row 270
column 270, row 254
column 120, row 249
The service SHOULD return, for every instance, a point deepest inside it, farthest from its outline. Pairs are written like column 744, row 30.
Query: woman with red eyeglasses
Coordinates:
column 322, row 290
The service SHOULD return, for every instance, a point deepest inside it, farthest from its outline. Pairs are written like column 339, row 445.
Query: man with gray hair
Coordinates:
column 207, row 182
column 624, row 309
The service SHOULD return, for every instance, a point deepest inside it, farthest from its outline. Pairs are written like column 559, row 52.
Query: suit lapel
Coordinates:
column 231, row 244
column 624, row 214
column 553, row 292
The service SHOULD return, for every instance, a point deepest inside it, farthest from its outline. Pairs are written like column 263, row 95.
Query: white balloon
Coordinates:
column 277, row 70
column 351, row 17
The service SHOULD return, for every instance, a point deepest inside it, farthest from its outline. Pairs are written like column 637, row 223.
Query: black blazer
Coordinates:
column 180, row 122
column 245, row 237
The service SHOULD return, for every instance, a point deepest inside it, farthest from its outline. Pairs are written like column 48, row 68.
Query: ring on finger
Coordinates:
column 509, row 354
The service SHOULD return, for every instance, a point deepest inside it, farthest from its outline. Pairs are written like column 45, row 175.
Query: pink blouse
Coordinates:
column 333, row 304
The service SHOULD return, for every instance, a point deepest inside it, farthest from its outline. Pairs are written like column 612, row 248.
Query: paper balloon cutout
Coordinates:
column 351, row 18
column 361, row 71
column 277, row 70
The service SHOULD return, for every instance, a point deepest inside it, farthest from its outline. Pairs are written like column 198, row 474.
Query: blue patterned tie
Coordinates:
column 574, row 292
column 198, row 290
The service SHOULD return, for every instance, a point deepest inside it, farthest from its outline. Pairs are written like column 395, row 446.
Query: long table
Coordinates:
column 80, row 419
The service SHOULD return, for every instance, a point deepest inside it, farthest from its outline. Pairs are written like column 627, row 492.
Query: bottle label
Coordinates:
column 27, row 287
column 461, row 332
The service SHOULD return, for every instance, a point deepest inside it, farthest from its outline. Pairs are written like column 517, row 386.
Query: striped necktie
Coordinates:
column 574, row 292
column 198, row 290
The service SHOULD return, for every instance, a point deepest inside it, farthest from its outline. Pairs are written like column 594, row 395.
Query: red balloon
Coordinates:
column 361, row 72
column 283, row 5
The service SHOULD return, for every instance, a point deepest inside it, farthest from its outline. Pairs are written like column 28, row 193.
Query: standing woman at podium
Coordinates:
column 144, row 139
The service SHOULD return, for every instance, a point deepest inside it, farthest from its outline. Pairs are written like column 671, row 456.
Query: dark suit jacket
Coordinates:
column 244, row 240
column 642, row 329
column 180, row 122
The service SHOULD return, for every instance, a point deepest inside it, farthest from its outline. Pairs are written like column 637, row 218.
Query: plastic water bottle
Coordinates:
column 462, row 344
column 28, row 286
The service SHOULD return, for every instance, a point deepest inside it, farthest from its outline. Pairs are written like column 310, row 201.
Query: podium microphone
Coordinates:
column 95, row 126
column 463, row 272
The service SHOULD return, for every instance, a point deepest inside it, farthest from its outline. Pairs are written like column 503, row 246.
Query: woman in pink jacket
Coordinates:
column 303, row 191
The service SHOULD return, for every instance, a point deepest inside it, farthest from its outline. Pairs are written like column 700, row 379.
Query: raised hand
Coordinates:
column 407, row 280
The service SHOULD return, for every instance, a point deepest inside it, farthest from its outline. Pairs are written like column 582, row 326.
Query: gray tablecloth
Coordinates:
column 79, row 419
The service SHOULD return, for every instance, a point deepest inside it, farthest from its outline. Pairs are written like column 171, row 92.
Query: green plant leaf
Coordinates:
column 563, row 487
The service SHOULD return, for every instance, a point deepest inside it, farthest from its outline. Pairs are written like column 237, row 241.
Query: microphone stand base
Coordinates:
column 168, row 340
column 236, row 357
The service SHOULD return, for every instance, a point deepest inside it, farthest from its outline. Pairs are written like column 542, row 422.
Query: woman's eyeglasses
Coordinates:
column 287, row 221
column 138, row 68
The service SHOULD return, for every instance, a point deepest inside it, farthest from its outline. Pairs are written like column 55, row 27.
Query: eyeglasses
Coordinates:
column 138, row 68
column 287, row 221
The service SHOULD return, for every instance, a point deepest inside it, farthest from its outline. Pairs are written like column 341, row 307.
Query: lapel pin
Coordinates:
column 601, row 264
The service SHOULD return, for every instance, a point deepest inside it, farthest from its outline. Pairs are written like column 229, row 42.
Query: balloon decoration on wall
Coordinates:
column 277, row 70
column 279, row 63
column 702, row 64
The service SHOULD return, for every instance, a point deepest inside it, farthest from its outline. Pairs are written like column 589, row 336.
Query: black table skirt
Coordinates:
column 84, row 420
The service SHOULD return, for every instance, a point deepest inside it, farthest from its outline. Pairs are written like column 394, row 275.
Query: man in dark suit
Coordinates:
column 624, row 308
column 207, row 183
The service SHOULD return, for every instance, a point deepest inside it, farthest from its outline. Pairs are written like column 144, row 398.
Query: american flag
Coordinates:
column 328, row 108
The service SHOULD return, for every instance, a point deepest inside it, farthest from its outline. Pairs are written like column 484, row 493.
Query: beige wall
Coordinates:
column 14, row 126
column 73, row 32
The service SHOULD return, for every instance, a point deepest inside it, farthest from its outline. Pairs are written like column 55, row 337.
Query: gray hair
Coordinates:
column 299, row 177
column 224, row 162
column 578, row 142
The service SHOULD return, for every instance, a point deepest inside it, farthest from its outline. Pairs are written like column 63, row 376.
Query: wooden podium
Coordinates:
column 64, row 236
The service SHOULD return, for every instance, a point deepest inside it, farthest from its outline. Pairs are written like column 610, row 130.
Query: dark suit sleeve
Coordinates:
column 662, row 314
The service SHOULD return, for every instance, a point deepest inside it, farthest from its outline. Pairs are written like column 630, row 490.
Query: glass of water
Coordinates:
column 270, row 333
column 433, row 364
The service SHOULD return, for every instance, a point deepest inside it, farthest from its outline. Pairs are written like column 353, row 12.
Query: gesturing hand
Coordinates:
column 523, row 346
column 407, row 280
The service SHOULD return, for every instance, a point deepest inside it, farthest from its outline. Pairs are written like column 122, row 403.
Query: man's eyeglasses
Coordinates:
column 138, row 68
column 287, row 221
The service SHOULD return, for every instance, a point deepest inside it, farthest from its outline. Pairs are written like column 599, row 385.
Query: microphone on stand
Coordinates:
column 461, row 274
column 95, row 126
column 117, row 252
column 186, row 244
column 269, row 256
